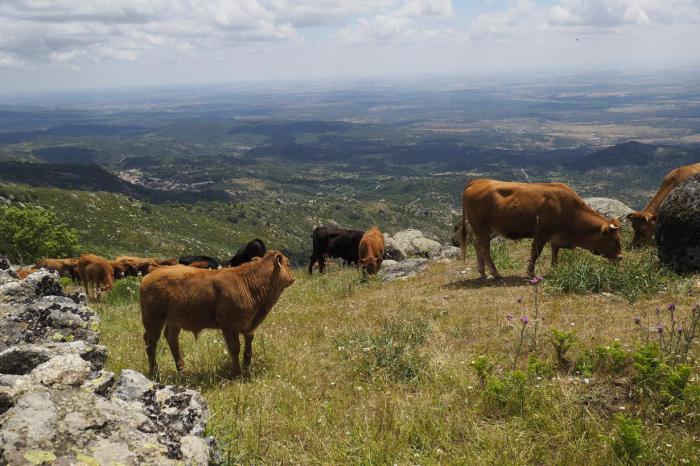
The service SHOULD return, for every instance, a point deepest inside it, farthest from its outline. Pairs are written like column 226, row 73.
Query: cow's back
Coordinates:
column 519, row 210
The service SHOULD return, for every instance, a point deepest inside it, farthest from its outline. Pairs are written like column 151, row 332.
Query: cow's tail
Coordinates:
column 463, row 232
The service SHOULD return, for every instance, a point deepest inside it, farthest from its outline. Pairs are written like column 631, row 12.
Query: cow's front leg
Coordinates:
column 535, row 251
column 247, row 351
column 234, row 349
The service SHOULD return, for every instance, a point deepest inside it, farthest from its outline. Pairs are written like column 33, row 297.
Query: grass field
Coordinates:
column 421, row 371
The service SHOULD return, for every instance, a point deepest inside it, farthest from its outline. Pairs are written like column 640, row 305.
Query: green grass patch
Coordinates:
column 639, row 274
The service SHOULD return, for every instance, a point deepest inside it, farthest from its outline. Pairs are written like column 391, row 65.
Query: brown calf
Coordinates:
column 96, row 275
column 234, row 300
column 371, row 251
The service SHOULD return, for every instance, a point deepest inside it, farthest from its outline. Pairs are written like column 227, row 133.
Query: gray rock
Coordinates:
column 100, row 382
column 403, row 269
column 67, row 369
column 609, row 208
column 427, row 247
column 392, row 250
column 131, row 385
column 678, row 227
column 450, row 252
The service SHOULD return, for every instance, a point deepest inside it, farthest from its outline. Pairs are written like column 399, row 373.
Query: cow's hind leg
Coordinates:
column 311, row 264
column 234, row 349
column 535, row 251
column 555, row 255
column 150, row 337
column 483, row 247
column 172, row 334
column 247, row 351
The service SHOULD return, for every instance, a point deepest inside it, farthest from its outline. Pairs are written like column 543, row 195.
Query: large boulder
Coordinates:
column 678, row 227
column 410, row 243
column 609, row 208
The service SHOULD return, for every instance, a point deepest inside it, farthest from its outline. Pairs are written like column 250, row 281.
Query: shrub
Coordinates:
column 30, row 233
column 611, row 358
column 507, row 393
column 537, row 367
column 562, row 341
column 640, row 274
column 627, row 442
column 483, row 367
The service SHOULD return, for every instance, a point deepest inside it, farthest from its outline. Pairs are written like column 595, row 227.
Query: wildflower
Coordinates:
column 660, row 328
column 679, row 329
column 509, row 317
column 671, row 307
column 536, row 280
column 638, row 320
column 525, row 320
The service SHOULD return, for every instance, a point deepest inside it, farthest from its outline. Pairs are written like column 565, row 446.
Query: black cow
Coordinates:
column 245, row 253
column 334, row 242
column 187, row 260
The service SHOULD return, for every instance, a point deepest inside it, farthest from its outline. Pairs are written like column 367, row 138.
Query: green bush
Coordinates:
column 508, row 393
column 30, row 233
column 638, row 275
column 627, row 442
column 562, row 341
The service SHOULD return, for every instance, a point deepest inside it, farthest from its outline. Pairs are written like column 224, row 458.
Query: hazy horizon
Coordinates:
column 66, row 45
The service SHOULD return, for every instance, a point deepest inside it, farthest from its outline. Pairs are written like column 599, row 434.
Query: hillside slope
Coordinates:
column 348, row 371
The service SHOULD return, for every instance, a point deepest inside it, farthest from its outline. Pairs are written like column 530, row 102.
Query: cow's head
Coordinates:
column 644, row 225
column 606, row 242
column 285, row 274
column 117, row 269
column 370, row 265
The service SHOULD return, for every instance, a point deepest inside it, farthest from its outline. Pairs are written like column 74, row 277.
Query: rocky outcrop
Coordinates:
column 409, row 251
column 410, row 243
column 678, row 227
column 59, row 406
column 609, row 208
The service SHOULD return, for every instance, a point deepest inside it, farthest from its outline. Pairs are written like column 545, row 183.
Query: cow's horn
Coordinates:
column 278, row 260
column 614, row 227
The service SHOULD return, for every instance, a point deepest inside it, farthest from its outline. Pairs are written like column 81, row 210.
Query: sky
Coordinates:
column 48, row 45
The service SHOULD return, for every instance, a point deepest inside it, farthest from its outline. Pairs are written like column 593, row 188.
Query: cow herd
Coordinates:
column 198, row 292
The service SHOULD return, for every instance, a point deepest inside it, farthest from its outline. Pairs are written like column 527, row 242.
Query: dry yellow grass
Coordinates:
column 308, row 399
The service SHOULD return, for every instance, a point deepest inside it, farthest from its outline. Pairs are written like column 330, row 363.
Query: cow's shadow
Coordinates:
column 476, row 283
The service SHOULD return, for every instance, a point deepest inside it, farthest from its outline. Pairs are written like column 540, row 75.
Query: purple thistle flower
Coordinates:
column 638, row 320
column 660, row 328
column 671, row 307
column 679, row 329
column 525, row 320
column 535, row 280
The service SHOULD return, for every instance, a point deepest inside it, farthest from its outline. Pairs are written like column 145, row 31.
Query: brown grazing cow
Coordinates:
column 64, row 267
column 546, row 212
column 96, row 275
column 234, row 300
column 24, row 273
column 644, row 221
column 371, row 251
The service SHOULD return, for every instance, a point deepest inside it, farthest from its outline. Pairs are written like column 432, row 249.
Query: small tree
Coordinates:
column 30, row 233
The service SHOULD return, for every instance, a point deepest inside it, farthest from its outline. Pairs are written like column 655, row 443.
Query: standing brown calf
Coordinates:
column 234, row 300
column 371, row 251
column 96, row 275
